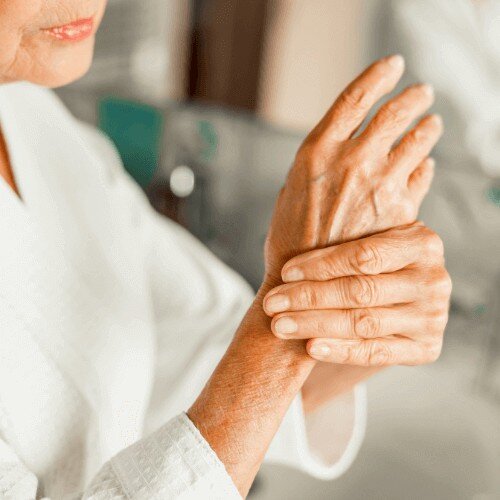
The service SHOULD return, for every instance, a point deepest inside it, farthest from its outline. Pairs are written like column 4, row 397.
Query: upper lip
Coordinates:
column 69, row 23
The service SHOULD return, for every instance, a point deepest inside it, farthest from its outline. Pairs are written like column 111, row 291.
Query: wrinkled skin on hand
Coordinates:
column 379, row 301
column 344, row 186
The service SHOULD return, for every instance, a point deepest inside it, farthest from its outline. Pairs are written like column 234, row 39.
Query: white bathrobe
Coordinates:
column 111, row 321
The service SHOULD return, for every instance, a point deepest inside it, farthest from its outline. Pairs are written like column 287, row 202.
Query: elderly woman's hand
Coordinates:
column 343, row 186
column 378, row 301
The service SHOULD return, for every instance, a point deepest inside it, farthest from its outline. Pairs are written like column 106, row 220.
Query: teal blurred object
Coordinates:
column 137, row 131
column 210, row 138
column 493, row 195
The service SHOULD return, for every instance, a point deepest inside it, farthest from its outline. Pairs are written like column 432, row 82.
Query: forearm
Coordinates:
column 339, row 189
column 242, row 406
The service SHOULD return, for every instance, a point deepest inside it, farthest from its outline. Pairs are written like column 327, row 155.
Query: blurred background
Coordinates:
column 207, row 102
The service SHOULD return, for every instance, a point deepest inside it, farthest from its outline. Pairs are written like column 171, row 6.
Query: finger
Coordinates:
column 396, row 116
column 356, row 101
column 344, row 293
column 374, row 352
column 354, row 324
column 420, row 180
column 416, row 145
column 382, row 253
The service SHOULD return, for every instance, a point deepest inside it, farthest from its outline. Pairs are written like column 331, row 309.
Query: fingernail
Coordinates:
column 396, row 61
column 437, row 119
column 320, row 350
column 285, row 326
column 277, row 303
column 427, row 89
column 293, row 274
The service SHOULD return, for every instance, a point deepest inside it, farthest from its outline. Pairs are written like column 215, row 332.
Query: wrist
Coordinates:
column 243, row 404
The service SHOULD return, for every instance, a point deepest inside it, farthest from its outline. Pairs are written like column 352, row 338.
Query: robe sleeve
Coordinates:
column 174, row 462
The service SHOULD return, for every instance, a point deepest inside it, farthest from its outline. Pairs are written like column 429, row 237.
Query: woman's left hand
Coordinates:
column 382, row 300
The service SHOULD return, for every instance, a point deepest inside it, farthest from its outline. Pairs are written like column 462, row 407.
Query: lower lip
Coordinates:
column 73, row 32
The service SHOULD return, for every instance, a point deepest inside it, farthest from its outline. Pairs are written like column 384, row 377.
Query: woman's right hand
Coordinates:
column 345, row 186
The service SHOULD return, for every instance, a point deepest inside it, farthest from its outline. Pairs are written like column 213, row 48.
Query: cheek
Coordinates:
column 20, row 12
column 16, row 18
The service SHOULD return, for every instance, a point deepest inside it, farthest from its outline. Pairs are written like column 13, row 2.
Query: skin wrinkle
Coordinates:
column 10, row 69
column 325, row 201
column 420, row 298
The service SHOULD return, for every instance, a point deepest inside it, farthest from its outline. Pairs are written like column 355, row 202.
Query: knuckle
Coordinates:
column 389, row 190
column 442, row 283
column 407, row 211
column 433, row 352
column 393, row 112
column 413, row 140
column 313, row 155
column 362, row 291
column 365, row 325
column 311, row 148
column 378, row 354
column 367, row 259
column 441, row 321
column 358, row 163
column 436, row 324
column 433, row 243
column 356, row 97
column 327, row 267
column 309, row 297
column 303, row 154
column 348, row 354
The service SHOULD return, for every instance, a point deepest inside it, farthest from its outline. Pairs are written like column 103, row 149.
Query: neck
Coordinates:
column 5, row 167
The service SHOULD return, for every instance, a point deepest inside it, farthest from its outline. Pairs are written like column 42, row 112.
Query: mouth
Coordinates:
column 72, row 32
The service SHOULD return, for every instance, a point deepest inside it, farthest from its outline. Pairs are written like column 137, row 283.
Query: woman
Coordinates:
column 112, row 319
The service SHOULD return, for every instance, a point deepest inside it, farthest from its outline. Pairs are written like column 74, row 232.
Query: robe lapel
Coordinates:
column 46, row 267
column 34, row 283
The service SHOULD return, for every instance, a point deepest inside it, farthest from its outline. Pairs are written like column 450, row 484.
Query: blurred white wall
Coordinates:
column 313, row 47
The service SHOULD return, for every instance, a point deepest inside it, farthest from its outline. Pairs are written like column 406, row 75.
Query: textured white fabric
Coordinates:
column 166, row 464
column 111, row 321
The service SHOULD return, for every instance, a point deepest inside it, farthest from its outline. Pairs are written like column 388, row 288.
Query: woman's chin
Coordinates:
column 65, row 65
